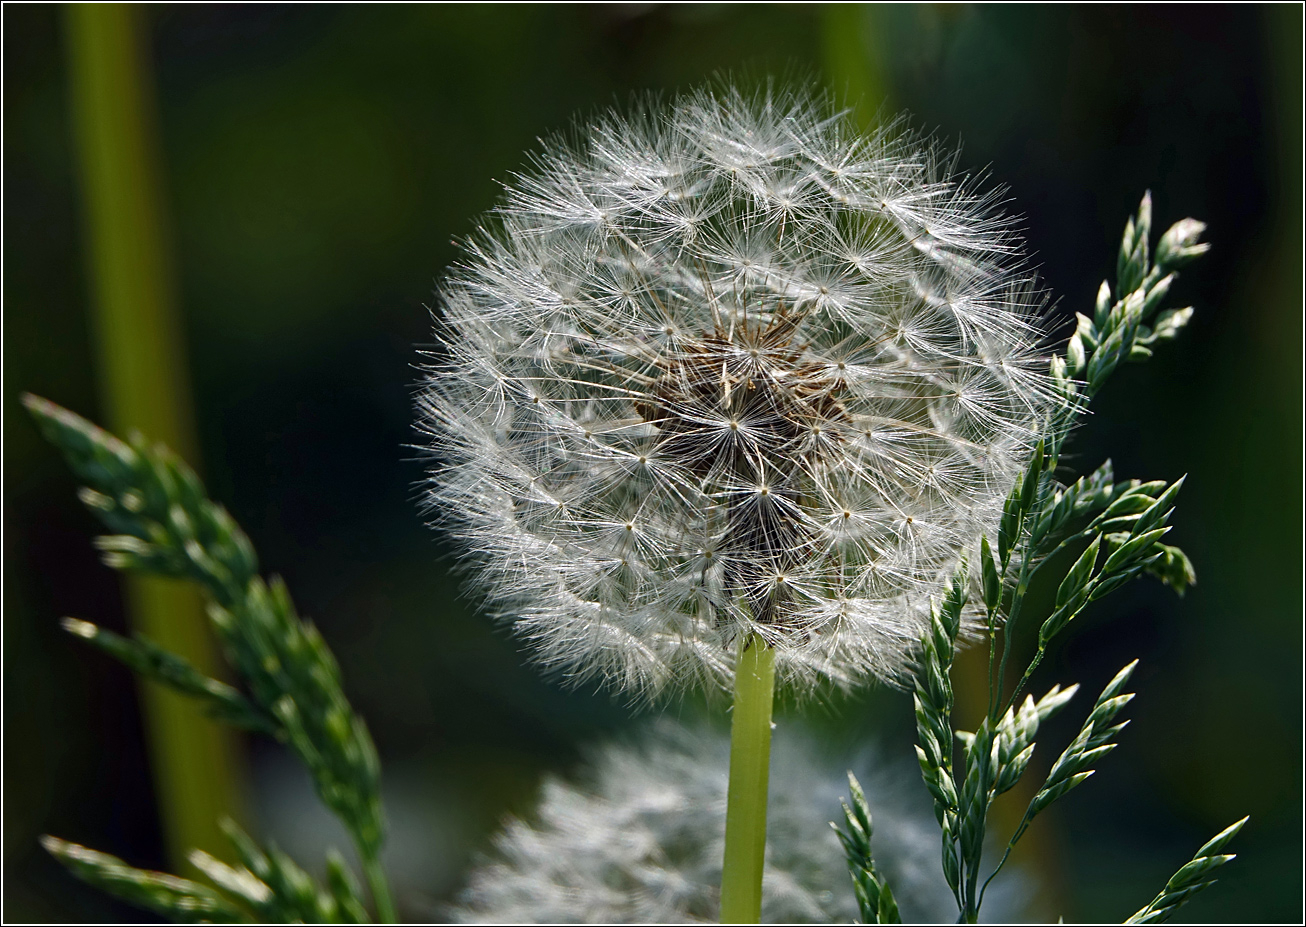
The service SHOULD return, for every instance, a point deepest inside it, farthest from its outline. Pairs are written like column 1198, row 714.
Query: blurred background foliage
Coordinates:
column 319, row 161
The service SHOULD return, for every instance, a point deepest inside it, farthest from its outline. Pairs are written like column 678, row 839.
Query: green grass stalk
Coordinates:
column 380, row 888
column 143, row 386
column 849, row 60
column 750, row 770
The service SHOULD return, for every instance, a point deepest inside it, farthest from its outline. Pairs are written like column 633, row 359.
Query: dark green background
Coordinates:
column 318, row 163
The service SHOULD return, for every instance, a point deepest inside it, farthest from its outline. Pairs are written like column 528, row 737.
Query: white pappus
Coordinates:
column 727, row 366
column 638, row 839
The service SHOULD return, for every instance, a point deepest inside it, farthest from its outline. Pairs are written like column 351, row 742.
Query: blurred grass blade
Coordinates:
column 851, row 63
column 167, row 526
column 179, row 899
column 220, row 700
column 143, row 385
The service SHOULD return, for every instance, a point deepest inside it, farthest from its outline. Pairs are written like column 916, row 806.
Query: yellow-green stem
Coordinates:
column 851, row 64
column 750, row 769
column 144, row 386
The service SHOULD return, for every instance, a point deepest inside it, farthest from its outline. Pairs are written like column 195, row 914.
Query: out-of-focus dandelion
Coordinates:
column 727, row 380
column 638, row 840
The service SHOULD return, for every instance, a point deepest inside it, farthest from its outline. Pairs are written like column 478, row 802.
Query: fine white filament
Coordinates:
column 728, row 366
column 638, row 840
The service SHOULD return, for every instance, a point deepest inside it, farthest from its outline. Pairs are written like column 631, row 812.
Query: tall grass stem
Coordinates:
column 380, row 888
column 143, row 385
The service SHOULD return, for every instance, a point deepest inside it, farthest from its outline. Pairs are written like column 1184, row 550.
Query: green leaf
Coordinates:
column 1117, row 331
column 887, row 911
column 1082, row 498
column 239, row 883
column 951, row 859
column 1056, row 622
column 1124, row 511
column 975, row 794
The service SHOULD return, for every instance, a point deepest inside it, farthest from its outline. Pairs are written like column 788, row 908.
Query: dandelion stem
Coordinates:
column 750, row 767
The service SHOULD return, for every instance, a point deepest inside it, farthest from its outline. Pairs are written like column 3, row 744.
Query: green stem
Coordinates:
column 851, row 58
column 750, row 767
column 143, row 385
column 380, row 888
column 1017, row 598
column 993, row 658
column 1011, row 844
column 1033, row 665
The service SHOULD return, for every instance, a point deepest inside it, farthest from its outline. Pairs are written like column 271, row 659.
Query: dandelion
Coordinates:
column 636, row 838
column 729, row 382
column 727, row 369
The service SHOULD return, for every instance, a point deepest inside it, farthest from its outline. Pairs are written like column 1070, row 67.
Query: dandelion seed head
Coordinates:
column 725, row 366
column 636, row 837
